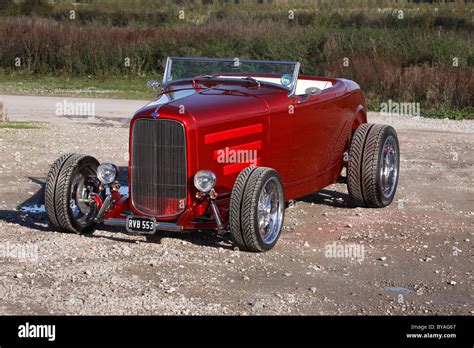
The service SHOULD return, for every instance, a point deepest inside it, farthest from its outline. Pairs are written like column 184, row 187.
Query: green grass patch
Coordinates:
column 20, row 125
column 122, row 88
column 463, row 114
column 374, row 104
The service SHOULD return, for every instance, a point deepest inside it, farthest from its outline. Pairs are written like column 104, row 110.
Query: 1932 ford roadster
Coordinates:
column 224, row 146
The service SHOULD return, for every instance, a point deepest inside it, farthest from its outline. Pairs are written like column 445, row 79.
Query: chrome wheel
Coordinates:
column 389, row 167
column 270, row 210
column 81, row 209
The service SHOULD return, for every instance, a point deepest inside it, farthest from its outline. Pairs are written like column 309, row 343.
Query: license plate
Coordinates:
column 140, row 224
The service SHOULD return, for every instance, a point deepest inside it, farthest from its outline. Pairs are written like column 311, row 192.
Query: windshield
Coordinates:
column 282, row 74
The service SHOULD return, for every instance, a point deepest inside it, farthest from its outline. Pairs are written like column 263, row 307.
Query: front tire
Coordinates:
column 256, row 209
column 374, row 163
column 70, row 181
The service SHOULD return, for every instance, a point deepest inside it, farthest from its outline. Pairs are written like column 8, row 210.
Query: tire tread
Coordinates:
column 354, row 168
column 235, row 208
column 249, row 207
column 370, row 166
column 50, row 190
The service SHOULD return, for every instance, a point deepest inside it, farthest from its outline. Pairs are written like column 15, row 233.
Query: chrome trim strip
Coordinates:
column 240, row 60
column 167, row 71
column 295, row 79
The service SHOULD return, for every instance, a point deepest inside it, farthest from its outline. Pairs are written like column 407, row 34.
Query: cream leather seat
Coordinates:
column 302, row 85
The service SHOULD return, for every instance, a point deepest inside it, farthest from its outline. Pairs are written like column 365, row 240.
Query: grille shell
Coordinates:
column 158, row 184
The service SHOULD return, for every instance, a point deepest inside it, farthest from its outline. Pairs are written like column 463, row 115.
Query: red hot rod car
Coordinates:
column 224, row 146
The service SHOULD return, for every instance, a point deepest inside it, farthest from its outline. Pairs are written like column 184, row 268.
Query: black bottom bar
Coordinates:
column 416, row 331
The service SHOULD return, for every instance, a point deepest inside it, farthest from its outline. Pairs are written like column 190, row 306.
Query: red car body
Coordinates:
column 302, row 137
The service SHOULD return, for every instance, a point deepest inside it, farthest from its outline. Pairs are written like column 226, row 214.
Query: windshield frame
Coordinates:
column 291, row 90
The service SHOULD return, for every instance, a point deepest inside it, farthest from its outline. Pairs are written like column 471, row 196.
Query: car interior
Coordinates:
column 302, row 84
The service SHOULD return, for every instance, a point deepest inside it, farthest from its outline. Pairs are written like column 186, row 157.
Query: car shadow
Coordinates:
column 31, row 214
column 330, row 198
column 34, row 217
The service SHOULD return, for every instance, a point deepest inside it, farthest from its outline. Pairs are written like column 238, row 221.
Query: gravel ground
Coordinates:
column 417, row 253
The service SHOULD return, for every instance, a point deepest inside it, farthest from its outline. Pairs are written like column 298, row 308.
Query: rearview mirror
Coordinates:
column 153, row 84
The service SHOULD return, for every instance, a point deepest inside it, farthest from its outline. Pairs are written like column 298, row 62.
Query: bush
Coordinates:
column 410, row 59
column 38, row 7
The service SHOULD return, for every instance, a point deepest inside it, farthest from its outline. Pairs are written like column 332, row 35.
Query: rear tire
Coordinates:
column 256, row 209
column 69, row 183
column 374, row 159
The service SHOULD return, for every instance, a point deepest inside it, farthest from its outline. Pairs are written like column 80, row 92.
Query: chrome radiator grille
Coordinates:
column 158, row 172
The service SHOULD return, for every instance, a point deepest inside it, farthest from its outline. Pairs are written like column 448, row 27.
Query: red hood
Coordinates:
column 212, row 105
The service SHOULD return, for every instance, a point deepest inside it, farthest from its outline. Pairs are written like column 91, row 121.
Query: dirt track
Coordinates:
column 417, row 252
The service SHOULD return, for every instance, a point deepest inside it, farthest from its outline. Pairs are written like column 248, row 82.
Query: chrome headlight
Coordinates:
column 204, row 180
column 107, row 173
